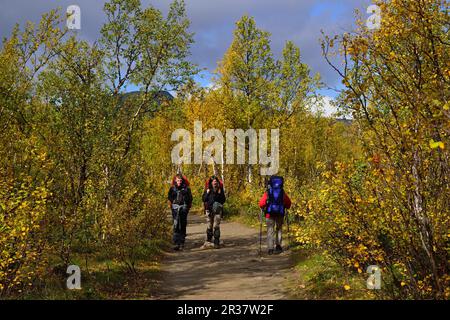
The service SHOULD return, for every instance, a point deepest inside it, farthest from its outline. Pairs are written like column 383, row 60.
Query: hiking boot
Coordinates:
column 177, row 247
column 270, row 252
column 278, row 249
column 182, row 247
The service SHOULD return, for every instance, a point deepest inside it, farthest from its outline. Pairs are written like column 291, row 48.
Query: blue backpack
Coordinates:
column 275, row 195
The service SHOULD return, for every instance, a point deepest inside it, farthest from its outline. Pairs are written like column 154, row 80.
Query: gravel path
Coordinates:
column 235, row 271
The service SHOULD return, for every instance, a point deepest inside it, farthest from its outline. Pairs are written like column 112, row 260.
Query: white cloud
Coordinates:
column 213, row 23
column 325, row 106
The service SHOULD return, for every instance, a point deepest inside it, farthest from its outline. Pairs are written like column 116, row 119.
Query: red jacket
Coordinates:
column 263, row 202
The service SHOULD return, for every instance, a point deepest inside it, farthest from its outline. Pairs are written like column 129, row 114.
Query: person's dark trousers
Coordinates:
column 179, row 226
column 213, row 223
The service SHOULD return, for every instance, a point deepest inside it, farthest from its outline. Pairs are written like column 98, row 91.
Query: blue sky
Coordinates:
column 213, row 21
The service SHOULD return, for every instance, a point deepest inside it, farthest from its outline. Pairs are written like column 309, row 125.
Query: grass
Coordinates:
column 248, row 219
column 319, row 277
column 236, row 212
column 101, row 278
column 105, row 281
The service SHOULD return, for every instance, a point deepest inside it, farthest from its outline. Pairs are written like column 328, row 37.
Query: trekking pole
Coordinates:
column 260, row 232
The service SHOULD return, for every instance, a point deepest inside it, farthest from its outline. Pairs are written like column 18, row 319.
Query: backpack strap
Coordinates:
column 182, row 191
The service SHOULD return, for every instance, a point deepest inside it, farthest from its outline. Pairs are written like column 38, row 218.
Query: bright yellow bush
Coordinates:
column 22, row 213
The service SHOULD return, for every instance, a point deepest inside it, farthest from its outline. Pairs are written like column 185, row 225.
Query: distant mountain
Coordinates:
column 347, row 122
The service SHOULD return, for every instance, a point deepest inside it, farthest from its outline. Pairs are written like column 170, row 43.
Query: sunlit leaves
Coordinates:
column 398, row 91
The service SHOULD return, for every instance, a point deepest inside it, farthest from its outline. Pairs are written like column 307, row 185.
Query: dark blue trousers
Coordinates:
column 179, row 226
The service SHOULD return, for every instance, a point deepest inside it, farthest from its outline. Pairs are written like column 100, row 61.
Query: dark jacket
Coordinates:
column 211, row 197
column 180, row 195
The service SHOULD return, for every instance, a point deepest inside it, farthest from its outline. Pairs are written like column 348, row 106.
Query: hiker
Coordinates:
column 274, row 202
column 213, row 200
column 180, row 201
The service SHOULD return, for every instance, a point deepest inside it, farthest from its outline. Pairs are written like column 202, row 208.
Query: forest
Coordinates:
column 85, row 165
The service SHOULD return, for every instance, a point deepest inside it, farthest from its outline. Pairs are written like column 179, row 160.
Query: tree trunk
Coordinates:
column 422, row 220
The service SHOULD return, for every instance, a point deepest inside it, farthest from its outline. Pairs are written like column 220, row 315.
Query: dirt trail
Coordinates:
column 234, row 271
